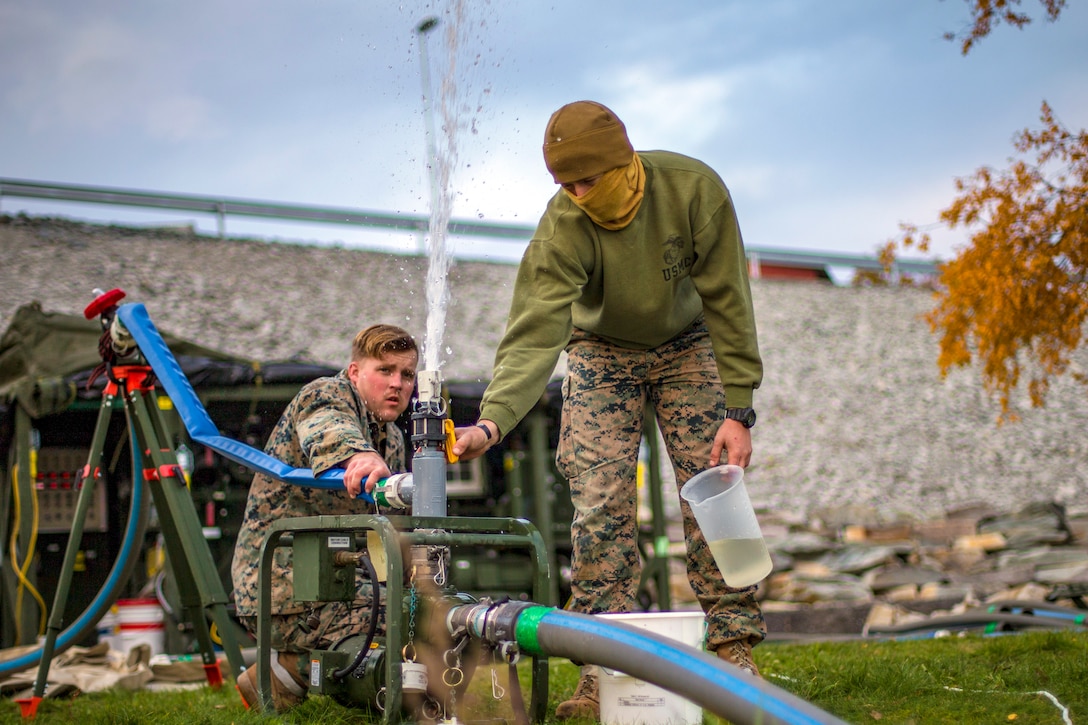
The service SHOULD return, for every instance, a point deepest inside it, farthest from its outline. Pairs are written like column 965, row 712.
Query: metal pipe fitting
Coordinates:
column 487, row 621
column 429, row 442
column 395, row 491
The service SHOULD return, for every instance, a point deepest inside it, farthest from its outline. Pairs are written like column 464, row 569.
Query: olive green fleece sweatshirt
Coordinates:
column 637, row 287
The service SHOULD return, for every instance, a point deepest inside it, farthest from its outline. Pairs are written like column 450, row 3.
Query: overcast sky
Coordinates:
column 831, row 121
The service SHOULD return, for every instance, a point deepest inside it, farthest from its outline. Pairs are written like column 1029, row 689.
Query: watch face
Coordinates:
column 747, row 416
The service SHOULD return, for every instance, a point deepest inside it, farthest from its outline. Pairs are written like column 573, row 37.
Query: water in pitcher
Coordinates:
column 742, row 562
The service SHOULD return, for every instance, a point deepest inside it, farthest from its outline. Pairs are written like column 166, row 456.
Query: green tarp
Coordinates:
column 46, row 359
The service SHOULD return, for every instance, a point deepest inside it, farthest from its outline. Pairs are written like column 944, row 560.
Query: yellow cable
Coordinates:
column 258, row 382
column 21, row 570
column 214, row 634
column 30, row 556
column 13, row 555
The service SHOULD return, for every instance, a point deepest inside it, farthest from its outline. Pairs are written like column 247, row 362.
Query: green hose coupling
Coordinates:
column 526, row 632
column 493, row 623
column 395, row 491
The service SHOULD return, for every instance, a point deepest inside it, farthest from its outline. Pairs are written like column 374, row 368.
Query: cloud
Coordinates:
column 860, row 221
column 698, row 104
column 829, row 122
column 101, row 76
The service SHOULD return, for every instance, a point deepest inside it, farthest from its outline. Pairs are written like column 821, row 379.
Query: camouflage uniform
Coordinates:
column 322, row 427
column 659, row 310
column 604, row 395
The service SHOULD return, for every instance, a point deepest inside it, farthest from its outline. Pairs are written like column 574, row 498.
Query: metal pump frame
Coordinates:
column 427, row 527
column 395, row 531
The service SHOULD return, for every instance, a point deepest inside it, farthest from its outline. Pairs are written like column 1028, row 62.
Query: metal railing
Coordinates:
column 222, row 206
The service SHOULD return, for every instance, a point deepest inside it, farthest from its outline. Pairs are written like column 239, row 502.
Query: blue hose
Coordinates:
column 199, row 424
column 698, row 676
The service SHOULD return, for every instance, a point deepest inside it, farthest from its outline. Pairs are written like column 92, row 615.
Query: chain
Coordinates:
column 408, row 653
column 454, row 675
column 413, row 601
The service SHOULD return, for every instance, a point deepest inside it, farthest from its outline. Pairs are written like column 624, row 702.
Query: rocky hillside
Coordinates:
column 854, row 416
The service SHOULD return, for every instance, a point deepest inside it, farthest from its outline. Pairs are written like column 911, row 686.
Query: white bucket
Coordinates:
column 141, row 622
column 629, row 701
column 109, row 628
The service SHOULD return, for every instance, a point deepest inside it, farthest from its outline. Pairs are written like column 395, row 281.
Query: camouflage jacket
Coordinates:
column 322, row 427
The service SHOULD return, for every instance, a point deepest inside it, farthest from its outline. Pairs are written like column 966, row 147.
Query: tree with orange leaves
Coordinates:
column 1015, row 299
column 1019, row 291
column 985, row 14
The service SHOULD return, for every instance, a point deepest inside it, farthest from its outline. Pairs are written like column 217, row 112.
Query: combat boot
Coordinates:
column 739, row 654
column 288, row 686
column 584, row 703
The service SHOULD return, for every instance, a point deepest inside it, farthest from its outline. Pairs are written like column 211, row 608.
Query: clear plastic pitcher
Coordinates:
column 720, row 502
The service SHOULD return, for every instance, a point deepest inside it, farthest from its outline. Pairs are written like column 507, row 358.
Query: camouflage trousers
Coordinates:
column 605, row 395
column 321, row 625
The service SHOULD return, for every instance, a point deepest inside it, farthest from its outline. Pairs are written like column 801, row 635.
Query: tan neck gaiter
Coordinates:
column 614, row 200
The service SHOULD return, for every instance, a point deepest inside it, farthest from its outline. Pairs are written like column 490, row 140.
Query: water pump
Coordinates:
column 433, row 666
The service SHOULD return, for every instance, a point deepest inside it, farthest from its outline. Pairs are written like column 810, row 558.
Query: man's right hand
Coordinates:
column 364, row 469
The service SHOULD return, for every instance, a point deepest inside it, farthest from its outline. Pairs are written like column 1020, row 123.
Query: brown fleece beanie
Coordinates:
column 584, row 139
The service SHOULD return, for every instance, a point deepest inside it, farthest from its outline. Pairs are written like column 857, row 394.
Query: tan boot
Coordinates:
column 288, row 687
column 739, row 654
column 584, row 703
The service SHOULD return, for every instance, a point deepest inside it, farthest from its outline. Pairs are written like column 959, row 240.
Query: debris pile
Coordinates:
column 837, row 578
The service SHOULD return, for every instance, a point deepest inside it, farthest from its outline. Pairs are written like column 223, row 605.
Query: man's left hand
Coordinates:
column 472, row 442
column 736, row 440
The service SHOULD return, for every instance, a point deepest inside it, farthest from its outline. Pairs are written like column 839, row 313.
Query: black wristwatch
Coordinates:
column 746, row 416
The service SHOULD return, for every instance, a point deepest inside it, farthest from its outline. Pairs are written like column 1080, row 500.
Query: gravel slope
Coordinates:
column 854, row 416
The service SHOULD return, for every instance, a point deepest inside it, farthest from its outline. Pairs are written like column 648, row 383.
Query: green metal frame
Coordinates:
column 542, row 492
column 395, row 532
column 656, row 565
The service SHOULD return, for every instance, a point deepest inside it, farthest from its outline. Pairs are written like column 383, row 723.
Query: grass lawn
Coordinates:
column 1027, row 677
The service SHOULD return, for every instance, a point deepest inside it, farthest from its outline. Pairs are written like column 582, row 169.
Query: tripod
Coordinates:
column 201, row 591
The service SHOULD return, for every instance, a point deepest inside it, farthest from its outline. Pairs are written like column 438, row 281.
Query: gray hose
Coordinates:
column 995, row 621
column 702, row 678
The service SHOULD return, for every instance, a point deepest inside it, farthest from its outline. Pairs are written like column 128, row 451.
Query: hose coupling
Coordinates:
column 395, row 491
column 487, row 621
